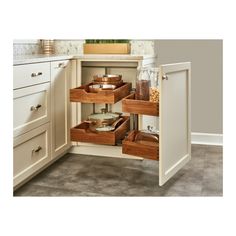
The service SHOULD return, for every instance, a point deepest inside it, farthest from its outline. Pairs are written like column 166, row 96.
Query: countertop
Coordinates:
column 27, row 59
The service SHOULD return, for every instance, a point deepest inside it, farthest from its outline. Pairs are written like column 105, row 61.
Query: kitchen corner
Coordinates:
column 101, row 118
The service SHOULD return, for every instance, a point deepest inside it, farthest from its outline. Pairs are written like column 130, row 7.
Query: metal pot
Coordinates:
column 116, row 83
column 107, row 78
column 103, row 119
column 94, row 88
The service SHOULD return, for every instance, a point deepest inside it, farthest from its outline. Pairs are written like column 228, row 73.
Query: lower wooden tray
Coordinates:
column 82, row 133
column 145, row 149
column 131, row 105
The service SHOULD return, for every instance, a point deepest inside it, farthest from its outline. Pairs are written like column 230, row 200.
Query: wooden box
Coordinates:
column 107, row 48
column 82, row 94
column 145, row 150
column 82, row 133
column 130, row 105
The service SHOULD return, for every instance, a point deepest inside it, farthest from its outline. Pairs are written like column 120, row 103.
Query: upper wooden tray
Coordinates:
column 130, row 105
column 82, row 94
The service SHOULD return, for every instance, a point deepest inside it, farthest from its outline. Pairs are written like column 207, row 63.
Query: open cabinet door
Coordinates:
column 175, row 123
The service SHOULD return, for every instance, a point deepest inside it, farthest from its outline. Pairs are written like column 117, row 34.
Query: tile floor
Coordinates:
column 79, row 175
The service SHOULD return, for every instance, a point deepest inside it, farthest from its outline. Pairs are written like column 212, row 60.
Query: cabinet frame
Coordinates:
column 60, row 70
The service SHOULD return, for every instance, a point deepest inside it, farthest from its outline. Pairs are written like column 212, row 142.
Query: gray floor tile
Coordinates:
column 80, row 175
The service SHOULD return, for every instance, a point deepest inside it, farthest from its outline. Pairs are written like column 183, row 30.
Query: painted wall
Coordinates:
column 207, row 78
column 76, row 47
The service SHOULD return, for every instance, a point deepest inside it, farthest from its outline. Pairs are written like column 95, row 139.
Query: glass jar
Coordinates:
column 142, row 85
column 154, row 90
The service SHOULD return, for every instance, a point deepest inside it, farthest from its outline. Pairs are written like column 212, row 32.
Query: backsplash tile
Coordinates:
column 76, row 47
column 26, row 49
column 69, row 46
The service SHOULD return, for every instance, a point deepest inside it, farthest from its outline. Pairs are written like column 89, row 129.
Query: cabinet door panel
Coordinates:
column 60, row 79
column 175, row 127
column 31, row 152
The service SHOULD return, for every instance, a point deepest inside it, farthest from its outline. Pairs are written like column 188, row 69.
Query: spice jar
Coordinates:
column 142, row 85
column 154, row 91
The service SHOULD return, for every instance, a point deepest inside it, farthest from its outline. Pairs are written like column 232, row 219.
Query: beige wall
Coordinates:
column 207, row 79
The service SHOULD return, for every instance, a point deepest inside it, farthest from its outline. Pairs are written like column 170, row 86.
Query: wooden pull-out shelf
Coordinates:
column 145, row 149
column 82, row 94
column 82, row 133
column 130, row 105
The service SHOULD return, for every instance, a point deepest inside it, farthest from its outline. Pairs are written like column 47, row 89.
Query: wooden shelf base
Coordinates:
column 131, row 105
column 82, row 94
column 82, row 133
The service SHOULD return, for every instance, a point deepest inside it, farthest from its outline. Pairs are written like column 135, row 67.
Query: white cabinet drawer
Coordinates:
column 30, row 74
column 31, row 107
column 31, row 152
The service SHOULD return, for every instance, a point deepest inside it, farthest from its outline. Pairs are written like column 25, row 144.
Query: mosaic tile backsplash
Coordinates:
column 76, row 47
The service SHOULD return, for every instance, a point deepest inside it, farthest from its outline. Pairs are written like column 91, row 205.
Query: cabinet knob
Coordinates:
column 35, row 108
column 61, row 65
column 165, row 77
column 37, row 149
column 36, row 74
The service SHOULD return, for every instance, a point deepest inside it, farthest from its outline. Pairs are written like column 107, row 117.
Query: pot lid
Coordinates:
column 103, row 116
column 102, row 86
column 105, row 128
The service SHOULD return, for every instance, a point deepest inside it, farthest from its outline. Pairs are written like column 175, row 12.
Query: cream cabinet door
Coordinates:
column 31, row 107
column 175, row 123
column 60, row 85
column 31, row 152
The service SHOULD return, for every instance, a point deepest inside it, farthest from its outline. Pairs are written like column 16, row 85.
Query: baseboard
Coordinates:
column 207, row 139
column 102, row 150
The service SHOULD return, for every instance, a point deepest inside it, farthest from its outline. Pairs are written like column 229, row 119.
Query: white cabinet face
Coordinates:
column 30, row 74
column 31, row 152
column 31, row 107
column 60, row 82
column 175, row 128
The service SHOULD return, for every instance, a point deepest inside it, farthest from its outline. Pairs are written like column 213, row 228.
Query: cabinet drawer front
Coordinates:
column 31, row 107
column 30, row 74
column 31, row 152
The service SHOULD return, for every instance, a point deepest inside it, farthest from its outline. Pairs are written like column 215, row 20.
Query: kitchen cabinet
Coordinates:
column 173, row 109
column 171, row 115
column 45, row 124
column 41, row 121
column 31, row 120
column 60, row 84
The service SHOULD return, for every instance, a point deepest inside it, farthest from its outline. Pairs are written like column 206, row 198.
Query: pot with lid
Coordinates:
column 104, row 121
column 94, row 88
column 108, row 80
